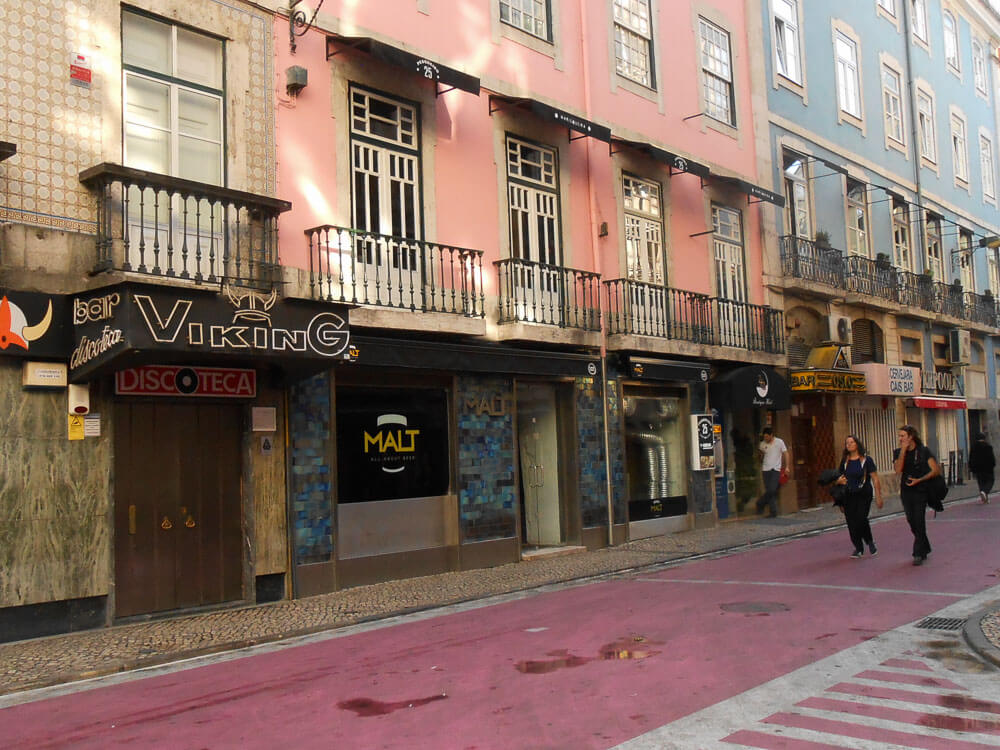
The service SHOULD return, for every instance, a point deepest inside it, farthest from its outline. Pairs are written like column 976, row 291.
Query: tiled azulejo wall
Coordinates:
column 309, row 425
column 486, row 479
column 590, row 446
column 60, row 129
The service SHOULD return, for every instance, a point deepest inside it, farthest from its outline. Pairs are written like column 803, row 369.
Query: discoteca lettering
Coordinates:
column 88, row 349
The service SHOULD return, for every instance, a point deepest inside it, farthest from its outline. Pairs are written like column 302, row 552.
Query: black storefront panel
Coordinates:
column 391, row 443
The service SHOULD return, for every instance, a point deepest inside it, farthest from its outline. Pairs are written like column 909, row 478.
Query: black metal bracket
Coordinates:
column 297, row 20
column 699, row 234
column 691, row 117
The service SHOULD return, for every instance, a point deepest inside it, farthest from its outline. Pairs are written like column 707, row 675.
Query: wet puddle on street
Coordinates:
column 631, row 648
column 365, row 707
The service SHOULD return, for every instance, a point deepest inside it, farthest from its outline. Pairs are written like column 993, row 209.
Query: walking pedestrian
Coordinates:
column 981, row 464
column 774, row 462
column 915, row 464
column 859, row 476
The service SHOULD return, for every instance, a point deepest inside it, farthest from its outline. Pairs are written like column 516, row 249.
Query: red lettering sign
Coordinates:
column 170, row 380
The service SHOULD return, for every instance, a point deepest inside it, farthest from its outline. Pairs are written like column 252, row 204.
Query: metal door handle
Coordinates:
column 131, row 519
column 165, row 524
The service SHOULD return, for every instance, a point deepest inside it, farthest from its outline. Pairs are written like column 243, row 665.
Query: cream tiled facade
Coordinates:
column 61, row 129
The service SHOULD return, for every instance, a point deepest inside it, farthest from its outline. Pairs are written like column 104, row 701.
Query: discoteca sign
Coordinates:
column 170, row 380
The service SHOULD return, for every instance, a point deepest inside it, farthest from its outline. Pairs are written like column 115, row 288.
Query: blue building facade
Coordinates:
column 882, row 135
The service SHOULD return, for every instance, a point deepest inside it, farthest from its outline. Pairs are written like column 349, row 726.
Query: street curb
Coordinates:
column 977, row 640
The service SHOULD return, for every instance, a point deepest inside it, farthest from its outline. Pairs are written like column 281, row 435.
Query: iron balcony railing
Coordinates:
column 169, row 227
column 949, row 299
column 804, row 259
column 643, row 309
column 916, row 290
column 364, row 268
column 872, row 277
column 757, row 328
column 981, row 309
column 531, row 292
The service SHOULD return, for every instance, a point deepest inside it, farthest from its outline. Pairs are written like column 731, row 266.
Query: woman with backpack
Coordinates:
column 859, row 476
column 915, row 464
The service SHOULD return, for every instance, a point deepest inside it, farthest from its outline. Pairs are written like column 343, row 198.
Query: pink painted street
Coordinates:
column 790, row 645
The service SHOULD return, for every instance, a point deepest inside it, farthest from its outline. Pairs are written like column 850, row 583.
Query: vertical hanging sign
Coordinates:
column 702, row 442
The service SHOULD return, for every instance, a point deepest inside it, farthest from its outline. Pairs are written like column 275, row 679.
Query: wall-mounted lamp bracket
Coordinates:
column 297, row 20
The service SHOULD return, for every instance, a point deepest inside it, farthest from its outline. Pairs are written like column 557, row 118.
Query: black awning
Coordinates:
column 676, row 162
column 834, row 167
column 453, row 357
column 751, row 387
column 557, row 116
column 648, row 368
column 421, row 66
column 754, row 191
column 7, row 150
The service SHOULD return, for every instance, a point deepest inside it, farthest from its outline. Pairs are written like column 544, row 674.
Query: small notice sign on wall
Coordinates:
column 75, row 427
column 92, row 425
column 79, row 71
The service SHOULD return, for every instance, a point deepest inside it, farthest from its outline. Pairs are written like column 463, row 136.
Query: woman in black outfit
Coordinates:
column 859, row 474
column 981, row 464
column 915, row 464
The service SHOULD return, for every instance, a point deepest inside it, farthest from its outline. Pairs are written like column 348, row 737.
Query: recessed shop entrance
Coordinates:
column 178, row 511
column 542, row 413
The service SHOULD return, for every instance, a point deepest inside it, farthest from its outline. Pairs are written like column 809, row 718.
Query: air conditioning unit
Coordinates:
column 959, row 347
column 838, row 330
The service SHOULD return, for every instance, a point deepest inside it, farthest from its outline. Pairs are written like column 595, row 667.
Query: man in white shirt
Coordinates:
column 774, row 461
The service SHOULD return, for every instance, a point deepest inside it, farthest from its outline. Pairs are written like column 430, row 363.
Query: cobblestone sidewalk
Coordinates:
column 65, row 658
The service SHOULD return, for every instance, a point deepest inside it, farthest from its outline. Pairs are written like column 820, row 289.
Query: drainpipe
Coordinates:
column 914, row 124
column 596, row 263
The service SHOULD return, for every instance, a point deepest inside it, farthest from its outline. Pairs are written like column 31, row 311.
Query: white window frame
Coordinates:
column 927, row 128
column 960, row 147
column 642, row 205
column 795, row 171
column 175, row 86
column 902, row 237
column 986, row 167
column 980, row 68
column 848, row 75
column 952, row 51
column 730, row 264
column 787, row 50
column 633, row 27
column 966, row 267
column 918, row 20
column 889, row 6
column 895, row 126
column 543, row 203
column 533, row 17
column 858, row 233
column 716, row 60
column 932, row 252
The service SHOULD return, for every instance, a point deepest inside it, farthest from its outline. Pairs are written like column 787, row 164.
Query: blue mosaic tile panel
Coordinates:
column 592, row 482
column 311, row 480
column 616, row 448
column 486, row 480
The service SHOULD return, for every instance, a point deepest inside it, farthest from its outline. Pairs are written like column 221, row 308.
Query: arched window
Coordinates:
column 867, row 342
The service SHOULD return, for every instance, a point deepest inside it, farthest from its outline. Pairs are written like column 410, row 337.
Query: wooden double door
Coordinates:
column 178, row 509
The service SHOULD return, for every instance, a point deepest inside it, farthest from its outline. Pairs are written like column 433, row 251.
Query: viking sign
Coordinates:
column 239, row 323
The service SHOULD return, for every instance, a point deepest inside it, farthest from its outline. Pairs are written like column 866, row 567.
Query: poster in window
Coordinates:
column 391, row 443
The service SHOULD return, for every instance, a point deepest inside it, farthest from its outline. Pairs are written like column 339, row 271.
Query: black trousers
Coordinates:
column 856, row 508
column 985, row 482
column 915, row 505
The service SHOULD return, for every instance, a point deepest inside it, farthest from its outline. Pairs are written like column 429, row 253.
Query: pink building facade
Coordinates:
column 546, row 220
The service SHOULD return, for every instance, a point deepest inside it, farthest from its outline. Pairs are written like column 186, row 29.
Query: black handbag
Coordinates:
column 936, row 490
